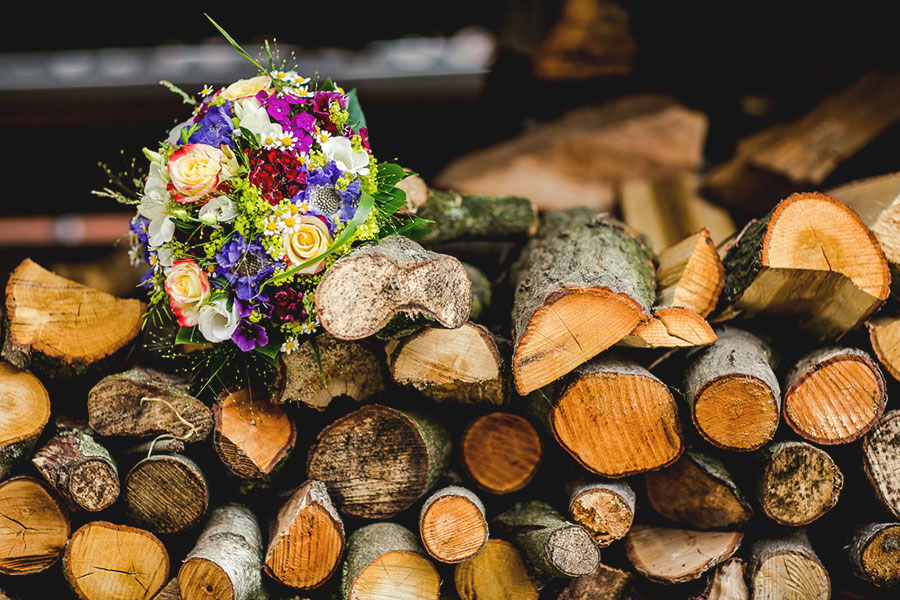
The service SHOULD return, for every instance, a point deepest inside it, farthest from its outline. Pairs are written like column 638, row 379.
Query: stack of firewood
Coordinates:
column 517, row 407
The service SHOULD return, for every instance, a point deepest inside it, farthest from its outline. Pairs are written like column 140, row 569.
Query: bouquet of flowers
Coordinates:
column 249, row 200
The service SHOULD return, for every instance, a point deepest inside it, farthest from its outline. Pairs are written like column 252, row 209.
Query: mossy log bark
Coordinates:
column 34, row 526
column 501, row 452
column 226, row 562
column 146, row 403
column 881, row 460
column 787, row 567
column 377, row 461
column 481, row 291
column 25, row 410
column 365, row 290
column 834, row 395
column 166, row 493
column 604, row 508
column 453, row 525
column 668, row 555
column 552, row 545
column 799, row 483
column 468, row 217
column 582, row 283
column 81, row 470
column 732, row 391
column 874, row 553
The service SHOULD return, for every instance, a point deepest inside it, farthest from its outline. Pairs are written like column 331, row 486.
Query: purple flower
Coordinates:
column 278, row 109
column 323, row 100
column 249, row 335
column 326, row 200
column 215, row 127
column 245, row 266
column 305, row 122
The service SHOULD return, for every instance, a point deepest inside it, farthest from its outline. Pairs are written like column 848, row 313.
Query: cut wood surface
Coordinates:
column 363, row 290
column 24, row 412
column 616, row 418
column 732, row 392
column 671, row 327
column 884, row 334
column 834, row 395
column 698, row 491
column 377, row 461
column 606, row 583
column 169, row 592
column 552, row 545
column 62, row 328
column 452, row 525
column 104, row 561
column 470, row 217
column 881, row 460
column 799, row 483
column 689, row 274
column 147, row 403
column 307, row 541
column 226, row 562
column 384, row 560
column 670, row 555
column 874, row 552
column 812, row 260
column 497, row 573
column 582, row 283
column 501, row 452
column 34, row 527
column 604, row 508
column 166, row 493
column 727, row 582
column 578, row 159
column 347, row 368
column 80, row 469
column 460, row 365
column 787, row 567
column 251, row 435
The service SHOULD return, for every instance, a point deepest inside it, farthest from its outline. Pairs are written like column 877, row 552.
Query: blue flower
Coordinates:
column 215, row 127
column 245, row 265
column 325, row 199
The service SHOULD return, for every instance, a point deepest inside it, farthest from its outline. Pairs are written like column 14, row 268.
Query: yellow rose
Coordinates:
column 309, row 240
column 247, row 87
column 188, row 288
column 194, row 170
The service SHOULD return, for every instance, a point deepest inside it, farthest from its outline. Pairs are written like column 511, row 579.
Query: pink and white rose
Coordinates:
column 188, row 288
column 195, row 170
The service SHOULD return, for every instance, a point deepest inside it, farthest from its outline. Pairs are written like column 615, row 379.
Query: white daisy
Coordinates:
column 289, row 345
column 206, row 90
column 309, row 327
column 288, row 139
column 280, row 76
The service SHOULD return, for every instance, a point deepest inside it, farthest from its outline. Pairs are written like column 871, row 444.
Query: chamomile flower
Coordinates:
column 299, row 80
column 206, row 90
column 309, row 327
column 289, row 345
column 271, row 227
column 270, row 141
column 280, row 76
column 322, row 135
column 287, row 140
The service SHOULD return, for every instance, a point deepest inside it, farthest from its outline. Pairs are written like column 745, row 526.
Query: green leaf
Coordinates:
column 414, row 228
column 357, row 118
column 272, row 349
column 328, row 86
column 390, row 174
column 391, row 202
column 190, row 335
column 235, row 45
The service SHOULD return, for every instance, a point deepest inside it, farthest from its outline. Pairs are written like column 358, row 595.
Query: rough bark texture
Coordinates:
column 834, row 395
column 497, row 573
column 874, row 552
column 501, row 452
column 377, row 461
column 671, row 555
column 324, row 368
column 226, row 562
column 606, row 583
column 799, row 483
column 604, row 508
column 25, row 407
column 787, row 567
column 481, row 291
column 147, row 403
column 881, row 460
column 453, row 525
column 166, row 493
column 727, row 582
column 80, row 469
column 581, row 284
column 732, row 392
column 34, row 527
column 363, row 290
column 466, row 217
column 551, row 544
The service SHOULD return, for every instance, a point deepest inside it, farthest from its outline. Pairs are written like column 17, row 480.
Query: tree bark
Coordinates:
column 671, row 555
column 881, row 460
column 606, row 583
column 34, row 527
column 799, row 483
column 25, row 406
column 604, row 508
column 481, row 292
column 166, row 493
column 874, row 553
column 471, row 217
column 787, row 567
column 497, row 573
column 501, row 452
column 453, row 525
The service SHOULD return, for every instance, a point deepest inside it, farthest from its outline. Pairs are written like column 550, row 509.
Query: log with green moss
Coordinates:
column 481, row 291
column 469, row 216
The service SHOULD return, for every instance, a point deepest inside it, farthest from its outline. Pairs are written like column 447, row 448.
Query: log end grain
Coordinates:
column 671, row 555
column 166, row 494
column 497, row 573
column 605, row 511
column 25, row 406
column 736, row 412
column 34, row 527
column 501, row 452
column 874, row 552
column 452, row 525
column 799, row 484
column 787, row 568
column 881, row 460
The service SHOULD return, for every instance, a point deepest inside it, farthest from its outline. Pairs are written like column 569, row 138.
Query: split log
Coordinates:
column 252, row 436
column 606, row 583
column 34, row 527
column 80, row 469
column 727, row 582
column 501, row 452
column 481, row 291
column 307, row 541
column 581, row 284
column 226, row 562
column 497, row 573
column 384, row 560
column 874, row 552
column 24, row 412
column 324, row 368
column 834, row 395
column 604, row 508
column 881, row 460
column 105, row 561
column 671, row 327
column 552, row 545
column 471, row 217
column 60, row 328
column 169, row 592
column 811, row 260
column 671, row 555
column 616, row 418
column 698, row 491
column 166, row 493
column 453, row 525
column 147, row 403
column 799, row 483
column 732, row 392
column 377, row 461
column 803, row 153
column 460, row 365
column 787, row 568
column 363, row 290
column 578, row 159
column 669, row 209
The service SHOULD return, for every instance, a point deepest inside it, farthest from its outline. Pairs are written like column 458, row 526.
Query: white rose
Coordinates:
column 251, row 115
column 247, row 87
column 216, row 322
column 341, row 152
column 218, row 210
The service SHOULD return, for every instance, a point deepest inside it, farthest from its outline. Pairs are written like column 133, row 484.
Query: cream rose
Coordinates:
column 188, row 288
column 247, row 87
column 309, row 240
column 195, row 170
column 216, row 322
